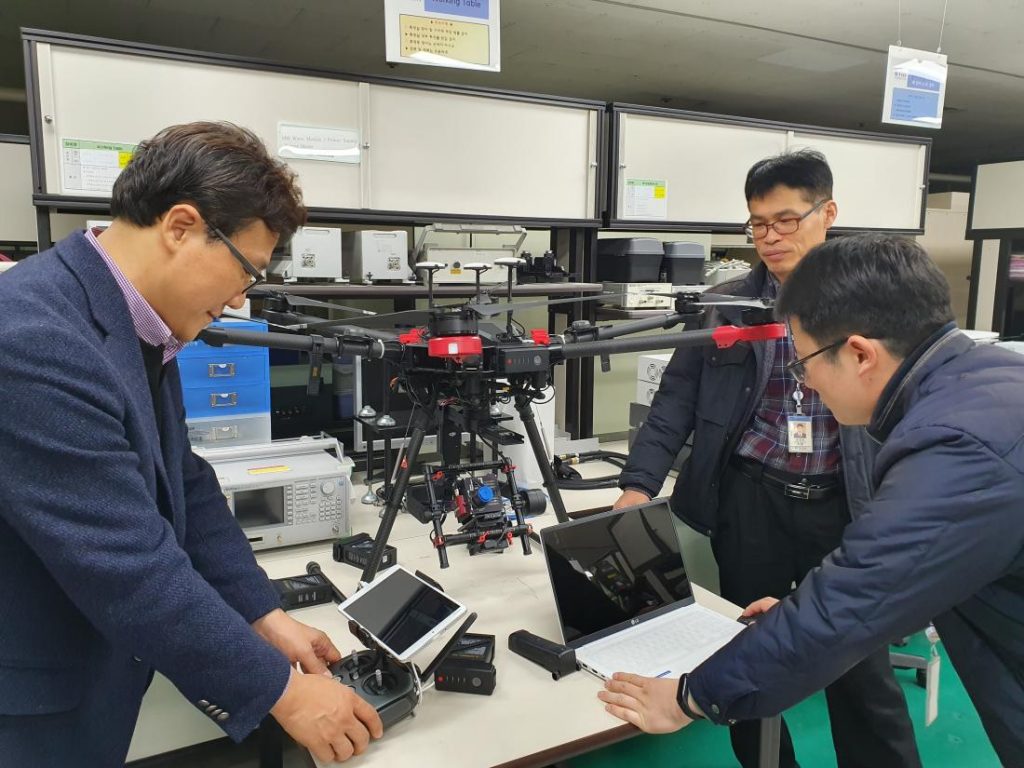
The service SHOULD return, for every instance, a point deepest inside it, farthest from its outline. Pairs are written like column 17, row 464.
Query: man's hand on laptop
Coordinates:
column 630, row 497
column 754, row 610
column 649, row 703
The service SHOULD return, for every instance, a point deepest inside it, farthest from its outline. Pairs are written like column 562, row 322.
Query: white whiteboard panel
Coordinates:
column 987, row 277
column 453, row 153
column 433, row 151
column 876, row 184
column 113, row 96
column 17, row 215
column 998, row 200
column 704, row 164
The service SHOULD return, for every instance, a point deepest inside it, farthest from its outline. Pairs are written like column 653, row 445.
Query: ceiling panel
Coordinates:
column 794, row 60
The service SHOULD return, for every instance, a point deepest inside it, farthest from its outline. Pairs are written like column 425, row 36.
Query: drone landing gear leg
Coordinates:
column 525, row 409
column 421, row 422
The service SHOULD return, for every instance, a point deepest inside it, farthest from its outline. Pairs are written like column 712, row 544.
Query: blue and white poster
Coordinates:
column 464, row 34
column 915, row 87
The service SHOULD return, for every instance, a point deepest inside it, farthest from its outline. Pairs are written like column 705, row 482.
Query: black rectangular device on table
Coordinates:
column 468, row 667
column 302, row 591
column 355, row 550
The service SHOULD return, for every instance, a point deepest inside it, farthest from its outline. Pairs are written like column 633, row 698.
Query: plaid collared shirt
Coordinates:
column 148, row 325
column 767, row 436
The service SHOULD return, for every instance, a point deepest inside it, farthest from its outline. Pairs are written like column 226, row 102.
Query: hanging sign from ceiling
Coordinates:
column 464, row 34
column 915, row 87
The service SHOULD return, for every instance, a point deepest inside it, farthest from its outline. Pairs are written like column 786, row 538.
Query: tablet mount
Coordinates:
column 392, row 687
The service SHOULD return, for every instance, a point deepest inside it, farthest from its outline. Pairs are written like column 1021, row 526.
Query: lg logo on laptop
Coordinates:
column 634, row 622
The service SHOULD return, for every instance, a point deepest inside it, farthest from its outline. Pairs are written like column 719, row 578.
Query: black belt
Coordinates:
column 806, row 489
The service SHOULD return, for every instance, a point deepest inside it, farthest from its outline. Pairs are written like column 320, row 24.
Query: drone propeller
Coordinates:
column 489, row 310
column 721, row 299
column 360, row 332
column 422, row 316
column 282, row 326
column 408, row 316
column 343, row 330
column 301, row 301
column 483, row 306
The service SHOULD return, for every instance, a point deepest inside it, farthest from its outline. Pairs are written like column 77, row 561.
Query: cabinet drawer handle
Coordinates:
column 223, row 400
column 220, row 370
column 229, row 432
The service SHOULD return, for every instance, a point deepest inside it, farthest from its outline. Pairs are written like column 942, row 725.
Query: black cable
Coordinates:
column 548, row 399
column 603, row 456
column 592, row 484
column 570, row 480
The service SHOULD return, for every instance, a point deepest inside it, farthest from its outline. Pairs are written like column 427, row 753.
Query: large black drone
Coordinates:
column 458, row 365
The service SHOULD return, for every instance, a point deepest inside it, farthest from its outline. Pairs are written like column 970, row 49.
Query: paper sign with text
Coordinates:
column 463, row 34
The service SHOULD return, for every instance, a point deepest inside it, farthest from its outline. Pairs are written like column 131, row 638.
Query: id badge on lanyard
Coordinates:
column 799, row 427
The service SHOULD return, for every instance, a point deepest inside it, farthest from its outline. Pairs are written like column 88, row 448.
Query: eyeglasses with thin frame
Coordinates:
column 798, row 369
column 782, row 226
column 256, row 277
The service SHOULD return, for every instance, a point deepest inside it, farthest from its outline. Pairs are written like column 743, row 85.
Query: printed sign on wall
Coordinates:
column 92, row 166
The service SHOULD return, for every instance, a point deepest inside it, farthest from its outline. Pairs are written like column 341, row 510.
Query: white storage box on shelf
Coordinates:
column 211, row 432
column 649, row 369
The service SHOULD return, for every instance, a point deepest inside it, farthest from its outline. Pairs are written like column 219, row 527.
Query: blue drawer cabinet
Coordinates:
column 228, row 366
column 222, row 382
column 202, row 402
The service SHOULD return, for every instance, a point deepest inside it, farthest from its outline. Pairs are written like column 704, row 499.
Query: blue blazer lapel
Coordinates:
column 111, row 314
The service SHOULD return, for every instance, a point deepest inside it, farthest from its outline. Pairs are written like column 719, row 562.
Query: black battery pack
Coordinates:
column 468, row 667
column 355, row 550
column 302, row 591
column 466, row 676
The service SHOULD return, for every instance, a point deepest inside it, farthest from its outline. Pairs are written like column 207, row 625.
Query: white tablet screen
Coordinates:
column 399, row 610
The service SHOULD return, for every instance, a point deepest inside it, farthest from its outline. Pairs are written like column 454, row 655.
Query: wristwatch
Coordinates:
column 683, row 698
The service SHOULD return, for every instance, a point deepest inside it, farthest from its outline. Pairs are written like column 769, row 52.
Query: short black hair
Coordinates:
column 880, row 286
column 222, row 169
column 805, row 170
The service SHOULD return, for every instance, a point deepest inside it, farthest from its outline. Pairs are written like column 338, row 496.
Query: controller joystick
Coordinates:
column 379, row 683
column 385, row 683
column 359, row 663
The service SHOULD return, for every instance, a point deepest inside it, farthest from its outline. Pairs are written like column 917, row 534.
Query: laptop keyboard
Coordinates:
column 680, row 643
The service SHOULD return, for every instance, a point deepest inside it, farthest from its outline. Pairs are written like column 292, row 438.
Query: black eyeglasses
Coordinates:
column 255, row 276
column 798, row 370
column 782, row 226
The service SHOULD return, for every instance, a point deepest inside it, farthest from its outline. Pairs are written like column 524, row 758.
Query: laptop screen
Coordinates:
column 615, row 569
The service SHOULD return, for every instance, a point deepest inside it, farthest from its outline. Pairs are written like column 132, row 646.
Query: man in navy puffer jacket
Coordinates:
column 943, row 537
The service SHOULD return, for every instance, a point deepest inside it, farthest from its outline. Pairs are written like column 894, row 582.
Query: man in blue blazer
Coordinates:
column 118, row 553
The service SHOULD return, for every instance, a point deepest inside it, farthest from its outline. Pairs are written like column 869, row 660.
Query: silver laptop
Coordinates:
column 623, row 598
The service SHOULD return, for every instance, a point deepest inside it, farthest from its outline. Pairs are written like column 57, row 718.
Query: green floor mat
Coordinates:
column 955, row 739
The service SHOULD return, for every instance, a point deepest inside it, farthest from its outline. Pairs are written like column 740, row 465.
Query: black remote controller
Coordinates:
column 556, row 658
column 387, row 685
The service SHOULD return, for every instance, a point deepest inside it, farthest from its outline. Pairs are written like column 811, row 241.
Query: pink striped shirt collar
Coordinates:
column 148, row 325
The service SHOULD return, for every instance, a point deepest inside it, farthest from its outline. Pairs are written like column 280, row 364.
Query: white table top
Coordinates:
column 542, row 720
